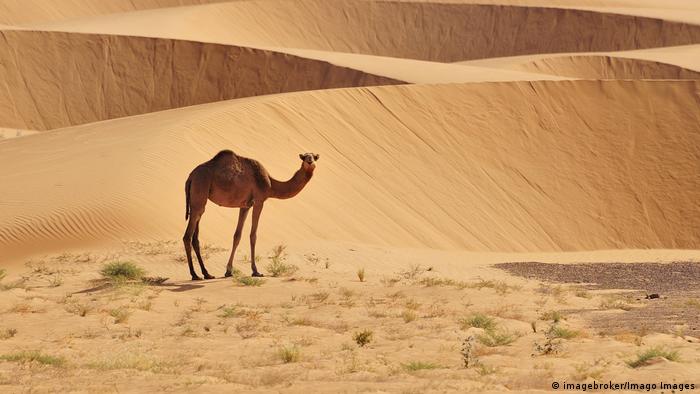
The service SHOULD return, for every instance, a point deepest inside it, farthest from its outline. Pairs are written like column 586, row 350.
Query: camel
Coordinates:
column 233, row 181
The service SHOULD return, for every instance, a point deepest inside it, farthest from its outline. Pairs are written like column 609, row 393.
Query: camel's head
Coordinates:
column 308, row 161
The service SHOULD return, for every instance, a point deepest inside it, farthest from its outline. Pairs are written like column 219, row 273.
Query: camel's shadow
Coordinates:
column 176, row 287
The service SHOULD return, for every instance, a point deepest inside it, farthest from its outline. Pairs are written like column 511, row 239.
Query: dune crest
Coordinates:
column 57, row 79
column 417, row 30
column 607, row 67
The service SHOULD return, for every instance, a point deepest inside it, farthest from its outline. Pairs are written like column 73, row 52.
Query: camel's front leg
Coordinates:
column 242, row 215
column 257, row 209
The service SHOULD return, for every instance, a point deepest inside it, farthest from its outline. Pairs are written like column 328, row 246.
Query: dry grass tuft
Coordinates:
column 363, row 337
column 289, row 354
column 8, row 333
column 645, row 357
column 34, row 356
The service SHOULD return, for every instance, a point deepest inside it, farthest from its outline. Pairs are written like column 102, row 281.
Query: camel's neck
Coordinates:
column 293, row 186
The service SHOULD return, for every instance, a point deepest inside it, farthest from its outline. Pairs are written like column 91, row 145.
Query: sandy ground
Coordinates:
column 560, row 138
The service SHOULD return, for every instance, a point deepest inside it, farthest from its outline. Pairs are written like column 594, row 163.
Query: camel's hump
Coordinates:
column 222, row 154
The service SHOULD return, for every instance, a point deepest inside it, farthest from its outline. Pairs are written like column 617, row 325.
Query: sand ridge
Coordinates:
column 97, row 77
column 398, row 29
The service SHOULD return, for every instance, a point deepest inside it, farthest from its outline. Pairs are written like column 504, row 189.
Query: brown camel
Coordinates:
column 233, row 181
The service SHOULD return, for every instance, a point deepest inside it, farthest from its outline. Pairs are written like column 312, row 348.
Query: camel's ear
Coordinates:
column 316, row 156
column 301, row 156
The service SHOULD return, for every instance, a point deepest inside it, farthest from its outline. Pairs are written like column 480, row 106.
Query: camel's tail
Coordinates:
column 187, row 198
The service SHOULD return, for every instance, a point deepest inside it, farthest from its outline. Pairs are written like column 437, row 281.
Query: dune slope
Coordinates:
column 564, row 166
column 607, row 67
column 52, row 79
column 425, row 31
column 17, row 12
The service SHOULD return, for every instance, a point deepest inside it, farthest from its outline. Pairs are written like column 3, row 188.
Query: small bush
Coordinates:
column 419, row 365
column 278, row 266
column 493, row 338
column 120, row 315
column 8, row 333
column 228, row 312
column 554, row 316
column 643, row 358
column 122, row 270
column 3, row 273
column 55, row 281
column 478, row 320
column 408, row 316
column 361, row 274
column 289, row 354
column 563, row 333
column 250, row 281
column 33, row 356
column 362, row 338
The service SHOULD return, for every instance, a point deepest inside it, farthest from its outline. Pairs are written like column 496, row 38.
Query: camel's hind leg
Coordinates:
column 195, row 245
column 197, row 190
column 187, row 239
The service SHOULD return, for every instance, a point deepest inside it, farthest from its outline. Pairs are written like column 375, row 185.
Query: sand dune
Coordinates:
column 425, row 31
column 675, row 10
column 443, row 166
column 17, row 12
column 60, row 79
column 579, row 143
column 607, row 67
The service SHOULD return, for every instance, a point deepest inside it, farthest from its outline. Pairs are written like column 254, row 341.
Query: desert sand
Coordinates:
column 538, row 132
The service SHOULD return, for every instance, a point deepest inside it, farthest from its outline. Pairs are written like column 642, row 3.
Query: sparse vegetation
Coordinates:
column 228, row 312
column 8, row 333
column 419, row 365
column 493, row 338
column 364, row 337
column 34, row 357
column 289, row 354
column 133, row 361
column 412, row 272
column 250, row 281
column 278, row 265
column 119, row 271
column 615, row 303
column 55, row 280
column 554, row 316
column 78, row 308
column 469, row 357
column 361, row 274
column 408, row 315
column 646, row 356
column 120, row 315
column 9, row 286
column 552, row 343
column 563, row 332
column 432, row 282
column 478, row 320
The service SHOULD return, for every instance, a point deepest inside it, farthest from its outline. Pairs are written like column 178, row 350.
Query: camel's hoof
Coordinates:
column 207, row 276
column 257, row 274
column 196, row 278
column 228, row 275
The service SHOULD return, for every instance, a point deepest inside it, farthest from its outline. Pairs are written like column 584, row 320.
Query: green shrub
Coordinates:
column 643, row 358
column 478, row 320
column 122, row 270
